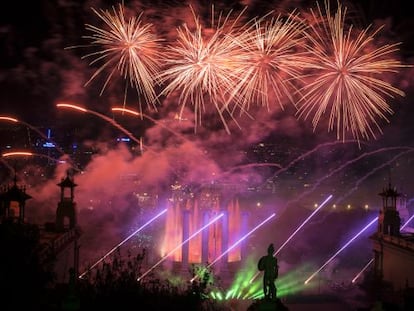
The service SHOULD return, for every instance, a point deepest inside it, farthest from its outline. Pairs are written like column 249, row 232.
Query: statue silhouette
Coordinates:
column 268, row 264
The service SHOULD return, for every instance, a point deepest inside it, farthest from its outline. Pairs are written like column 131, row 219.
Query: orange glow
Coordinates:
column 17, row 153
column 234, row 230
column 8, row 119
column 72, row 106
column 126, row 110
column 194, row 253
column 196, row 208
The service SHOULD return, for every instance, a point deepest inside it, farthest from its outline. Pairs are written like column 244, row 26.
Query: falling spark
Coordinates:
column 347, row 85
column 127, row 47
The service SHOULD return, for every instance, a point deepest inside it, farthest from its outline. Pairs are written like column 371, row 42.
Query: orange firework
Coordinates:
column 202, row 65
column 347, row 82
column 273, row 61
column 128, row 47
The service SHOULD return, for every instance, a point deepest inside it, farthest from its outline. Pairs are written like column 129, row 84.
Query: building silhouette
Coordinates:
column 58, row 240
column 393, row 250
column 13, row 202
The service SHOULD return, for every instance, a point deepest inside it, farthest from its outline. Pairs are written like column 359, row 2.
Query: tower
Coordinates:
column 13, row 201
column 389, row 219
column 66, row 207
column 388, row 228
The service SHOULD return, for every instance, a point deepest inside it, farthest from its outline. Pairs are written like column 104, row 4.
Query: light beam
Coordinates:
column 178, row 246
column 341, row 249
column 296, row 231
column 238, row 242
column 362, row 271
column 123, row 241
column 372, row 260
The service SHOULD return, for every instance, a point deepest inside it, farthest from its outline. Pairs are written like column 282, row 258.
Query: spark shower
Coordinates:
column 323, row 66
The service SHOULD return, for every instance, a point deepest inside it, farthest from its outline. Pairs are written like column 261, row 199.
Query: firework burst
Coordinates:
column 346, row 71
column 129, row 48
column 202, row 65
column 273, row 61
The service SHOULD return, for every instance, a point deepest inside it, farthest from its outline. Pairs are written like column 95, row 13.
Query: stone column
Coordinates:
column 186, row 235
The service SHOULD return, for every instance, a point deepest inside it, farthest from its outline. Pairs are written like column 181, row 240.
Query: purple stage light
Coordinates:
column 123, row 241
column 178, row 246
column 296, row 231
column 407, row 222
column 372, row 260
column 341, row 249
column 303, row 223
column 238, row 242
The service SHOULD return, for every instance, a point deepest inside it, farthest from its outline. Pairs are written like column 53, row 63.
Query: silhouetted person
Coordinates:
column 268, row 264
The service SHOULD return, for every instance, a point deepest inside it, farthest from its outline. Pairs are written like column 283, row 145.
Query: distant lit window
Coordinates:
column 49, row 145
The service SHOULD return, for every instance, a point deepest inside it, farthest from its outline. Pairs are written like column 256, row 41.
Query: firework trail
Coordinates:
column 373, row 171
column 202, row 65
column 301, row 157
column 346, row 71
column 24, row 154
column 272, row 61
column 341, row 167
column 142, row 115
column 129, row 48
column 28, row 153
column 245, row 166
column 46, row 138
column 103, row 117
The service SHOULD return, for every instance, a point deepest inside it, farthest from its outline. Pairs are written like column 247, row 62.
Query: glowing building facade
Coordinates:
column 188, row 212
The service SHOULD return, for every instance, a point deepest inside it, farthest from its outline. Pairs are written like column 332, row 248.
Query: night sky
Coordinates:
column 37, row 72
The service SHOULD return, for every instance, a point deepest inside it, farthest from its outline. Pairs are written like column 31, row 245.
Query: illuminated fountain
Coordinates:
column 188, row 211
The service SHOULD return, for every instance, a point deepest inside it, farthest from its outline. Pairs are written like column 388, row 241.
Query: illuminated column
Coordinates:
column 225, row 236
column 204, row 239
column 243, row 230
column 186, row 234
